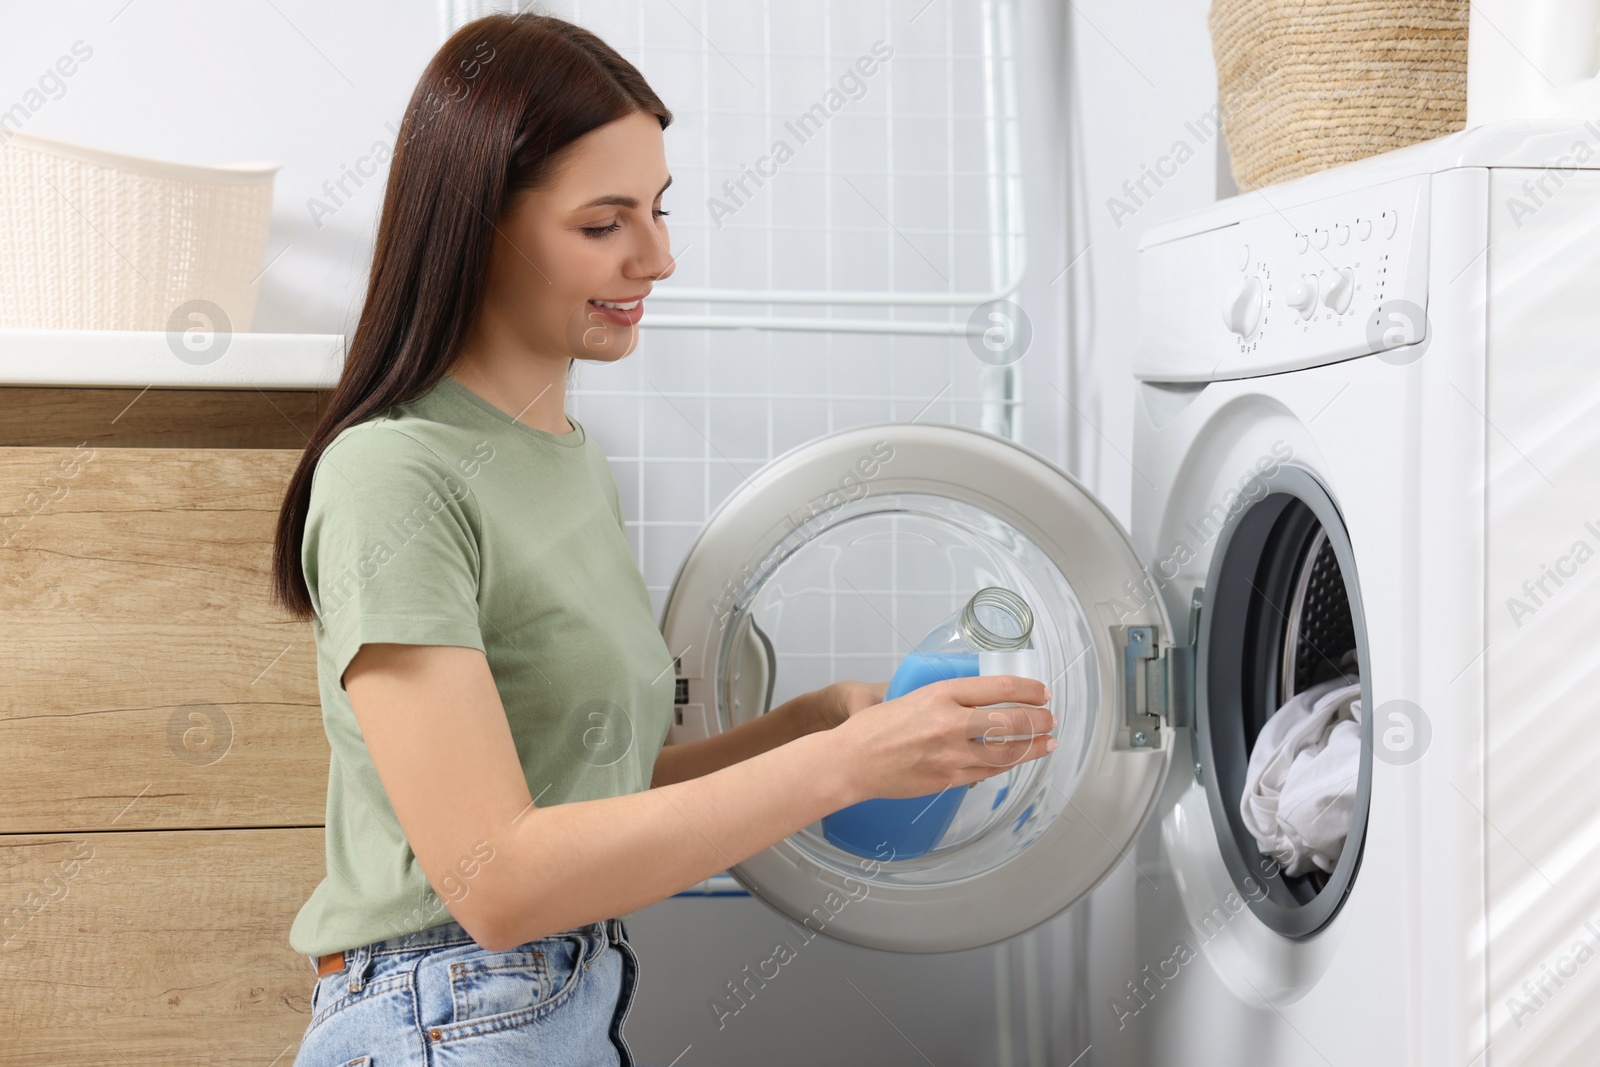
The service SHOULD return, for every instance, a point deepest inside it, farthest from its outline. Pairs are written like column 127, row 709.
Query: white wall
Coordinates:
column 318, row 86
column 1144, row 76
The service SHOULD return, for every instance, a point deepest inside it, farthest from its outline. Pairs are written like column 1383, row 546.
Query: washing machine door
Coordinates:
column 833, row 562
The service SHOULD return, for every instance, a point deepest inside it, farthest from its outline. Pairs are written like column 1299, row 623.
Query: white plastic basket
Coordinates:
column 95, row 240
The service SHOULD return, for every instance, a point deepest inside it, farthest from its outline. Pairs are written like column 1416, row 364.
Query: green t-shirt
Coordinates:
column 445, row 521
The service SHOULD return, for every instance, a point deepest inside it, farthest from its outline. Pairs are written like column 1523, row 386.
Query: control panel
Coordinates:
column 1290, row 287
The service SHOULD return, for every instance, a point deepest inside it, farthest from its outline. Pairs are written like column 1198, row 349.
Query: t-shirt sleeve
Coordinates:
column 391, row 550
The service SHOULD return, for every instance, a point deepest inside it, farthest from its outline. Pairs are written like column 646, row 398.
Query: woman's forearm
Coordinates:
column 511, row 871
column 641, row 848
column 792, row 719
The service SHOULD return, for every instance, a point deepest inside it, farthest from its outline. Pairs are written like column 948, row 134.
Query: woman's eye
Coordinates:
column 601, row 231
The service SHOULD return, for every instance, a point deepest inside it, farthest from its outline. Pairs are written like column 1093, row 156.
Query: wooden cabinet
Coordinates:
column 163, row 767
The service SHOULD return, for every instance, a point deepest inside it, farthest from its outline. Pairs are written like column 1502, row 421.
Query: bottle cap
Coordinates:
column 1023, row 662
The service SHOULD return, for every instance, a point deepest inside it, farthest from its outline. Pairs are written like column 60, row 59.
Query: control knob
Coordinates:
column 1337, row 289
column 1241, row 306
column 1303, row 296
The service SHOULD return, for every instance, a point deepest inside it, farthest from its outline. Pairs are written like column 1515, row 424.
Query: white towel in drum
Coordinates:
column 1300, row 787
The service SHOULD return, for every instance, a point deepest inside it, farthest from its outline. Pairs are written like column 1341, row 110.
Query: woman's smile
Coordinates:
column 621, row 312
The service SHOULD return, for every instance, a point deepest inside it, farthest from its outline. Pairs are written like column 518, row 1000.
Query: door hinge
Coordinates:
column 1158, row 681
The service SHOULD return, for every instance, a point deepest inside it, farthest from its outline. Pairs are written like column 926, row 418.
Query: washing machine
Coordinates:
column 1366, row 447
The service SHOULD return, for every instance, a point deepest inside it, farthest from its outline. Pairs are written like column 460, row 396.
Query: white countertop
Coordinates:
column 144, row 358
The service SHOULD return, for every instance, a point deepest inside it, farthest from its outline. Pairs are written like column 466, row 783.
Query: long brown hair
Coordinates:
column 502, row 98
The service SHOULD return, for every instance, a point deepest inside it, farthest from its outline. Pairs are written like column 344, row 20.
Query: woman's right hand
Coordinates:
column 941, row 736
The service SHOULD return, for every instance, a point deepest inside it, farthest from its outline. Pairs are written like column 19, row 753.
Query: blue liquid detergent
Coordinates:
column 903, row 829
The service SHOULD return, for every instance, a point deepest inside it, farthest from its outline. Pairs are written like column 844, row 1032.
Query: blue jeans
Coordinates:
column 434, row 998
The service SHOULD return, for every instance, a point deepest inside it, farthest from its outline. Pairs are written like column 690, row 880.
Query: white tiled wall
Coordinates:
column 691, row 415
column 902, row 189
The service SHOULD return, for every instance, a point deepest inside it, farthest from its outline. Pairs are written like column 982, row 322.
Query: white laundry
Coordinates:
column 1300, row 787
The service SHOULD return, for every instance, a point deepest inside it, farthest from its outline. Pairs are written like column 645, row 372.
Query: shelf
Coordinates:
column 144, row 358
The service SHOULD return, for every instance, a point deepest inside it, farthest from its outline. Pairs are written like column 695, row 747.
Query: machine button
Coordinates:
column 1337, row 289
column 1390, row 221
column 1241, row 306
column 1364, row 229
column 1319, row 238
column 1303, row 297
column 1302, row 243
column 1244, row 256
column 1341, row 234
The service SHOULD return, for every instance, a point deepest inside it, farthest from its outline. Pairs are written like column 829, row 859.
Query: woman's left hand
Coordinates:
column 834, row 704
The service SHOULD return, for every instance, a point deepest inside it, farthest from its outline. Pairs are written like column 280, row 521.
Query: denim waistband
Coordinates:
column 604, row 933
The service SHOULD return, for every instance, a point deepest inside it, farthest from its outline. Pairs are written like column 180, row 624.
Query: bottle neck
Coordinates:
column 995, row 620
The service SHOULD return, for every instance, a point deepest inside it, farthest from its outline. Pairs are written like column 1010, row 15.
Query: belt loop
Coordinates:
column 355, row 964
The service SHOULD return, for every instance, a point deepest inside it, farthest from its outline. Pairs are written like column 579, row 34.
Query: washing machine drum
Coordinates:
column 832, row 562
column 1284, row 613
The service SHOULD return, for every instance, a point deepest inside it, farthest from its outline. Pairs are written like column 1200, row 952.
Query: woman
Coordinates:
column 494, row 689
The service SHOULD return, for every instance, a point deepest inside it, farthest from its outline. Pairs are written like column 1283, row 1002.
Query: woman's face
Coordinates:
column 594, row 232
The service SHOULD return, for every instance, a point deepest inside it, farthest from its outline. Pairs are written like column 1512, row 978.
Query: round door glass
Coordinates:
column 849, row 593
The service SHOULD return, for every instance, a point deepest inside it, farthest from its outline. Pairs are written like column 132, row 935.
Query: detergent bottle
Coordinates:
column 991, row 634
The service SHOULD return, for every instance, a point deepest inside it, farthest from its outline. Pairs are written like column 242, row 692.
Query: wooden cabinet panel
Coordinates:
column 149, row 682
column 154, row 947
column 159, row 418
column 163, row 767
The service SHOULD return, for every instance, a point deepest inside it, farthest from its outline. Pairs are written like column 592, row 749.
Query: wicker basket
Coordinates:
column 1302, row 87
column 94, row 240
